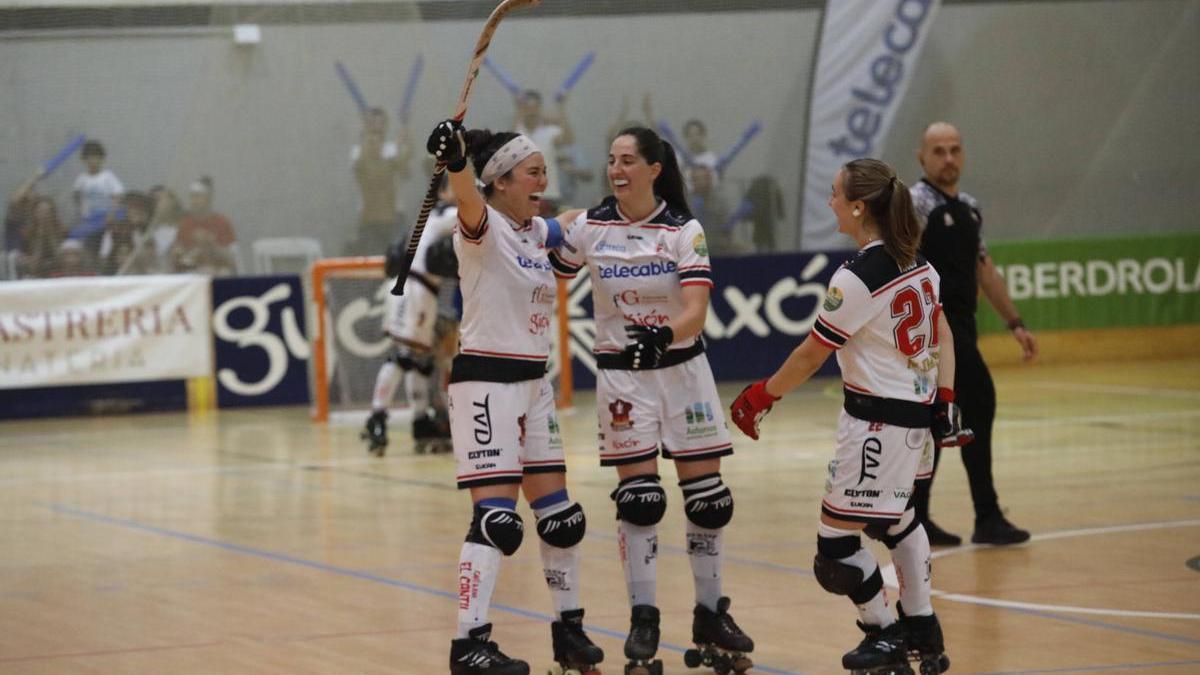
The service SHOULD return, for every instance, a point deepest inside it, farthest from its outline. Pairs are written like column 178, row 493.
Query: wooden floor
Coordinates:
column 256, row 542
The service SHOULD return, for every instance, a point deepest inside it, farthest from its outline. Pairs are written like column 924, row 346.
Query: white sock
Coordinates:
column 385, row 385
column 416, row 386
column 478, row 569
column 561, row 567
column 639, row 558
column 913, row 569
column 705, row 553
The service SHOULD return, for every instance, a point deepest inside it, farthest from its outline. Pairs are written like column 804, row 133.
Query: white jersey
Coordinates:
column 440, row 224
column 638, row 268
column 508, row 291
column 883, row 322
column 96, row 191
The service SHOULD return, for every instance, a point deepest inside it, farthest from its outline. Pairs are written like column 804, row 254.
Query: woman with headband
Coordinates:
column 654, row 389
column 502, row 420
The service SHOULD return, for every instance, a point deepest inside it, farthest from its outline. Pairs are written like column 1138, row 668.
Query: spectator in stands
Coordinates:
column 379, row 166
column 553, row 133
column 695, row 137
column 124, row 248
column 18, row 214
column 709, row 206
column 97, row 193
column 45, row 235
column 766, row 208
column 205, row 238
column 166, row 213
column 73, row 260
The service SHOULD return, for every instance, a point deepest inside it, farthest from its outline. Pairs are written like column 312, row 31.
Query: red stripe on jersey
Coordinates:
column 858, row 512
column 473, row 238
column 906, row 277
column 694, row 267
column 697, row 282
column 541, row 462
column 855, row 387
column 561, row 275
column 527, row 357
column 825, row 322
column 692, row 451
column 824, row 340
column 622, row 223
column 468, row 476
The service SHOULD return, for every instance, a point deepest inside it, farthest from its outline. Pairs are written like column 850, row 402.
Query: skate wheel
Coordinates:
column 692, row 658
column 741, row 664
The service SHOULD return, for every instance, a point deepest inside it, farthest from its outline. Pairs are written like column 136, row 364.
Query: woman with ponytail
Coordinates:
column 654, row 389
column 882, row 315
column 502, row 420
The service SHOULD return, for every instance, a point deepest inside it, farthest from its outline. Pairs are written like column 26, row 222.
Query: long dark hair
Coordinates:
column 482, row 144
column 669, row 184
column 889, row 205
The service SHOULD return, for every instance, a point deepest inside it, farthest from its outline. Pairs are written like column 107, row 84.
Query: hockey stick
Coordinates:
column 481, row 47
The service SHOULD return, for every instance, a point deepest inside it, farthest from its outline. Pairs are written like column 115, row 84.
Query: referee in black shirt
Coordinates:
column 954, row 246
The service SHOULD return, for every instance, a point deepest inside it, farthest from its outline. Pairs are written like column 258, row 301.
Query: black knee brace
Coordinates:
column 640, row 500
column 706, row 501
column 563, row 529
column 496, row 527
column 841, row 578
column 894, row 534
column 408, row 359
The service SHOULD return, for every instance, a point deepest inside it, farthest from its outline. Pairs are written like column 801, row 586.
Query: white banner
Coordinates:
column 869, row 50
column 91, row 330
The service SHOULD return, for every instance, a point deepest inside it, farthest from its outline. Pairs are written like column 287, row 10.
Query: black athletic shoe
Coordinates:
column 940, row 537
column 881, row 647
column 643, row 638
column 718, row 628
column 995, row 529
column 375, row 432
column 477, row 655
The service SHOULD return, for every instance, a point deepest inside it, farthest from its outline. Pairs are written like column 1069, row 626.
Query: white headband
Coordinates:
column 509, row 155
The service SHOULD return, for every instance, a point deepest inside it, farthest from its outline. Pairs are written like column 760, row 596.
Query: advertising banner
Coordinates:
column 868, row 52
column 1111, row 282
column 259, row 338
column 763, row 306
column 94, row 330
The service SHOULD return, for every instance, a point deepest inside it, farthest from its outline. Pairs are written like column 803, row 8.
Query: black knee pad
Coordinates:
column 640, row 500
column 563, row 529
column 410, row 359
column 841, row 578
column 497, row 527
column 707, row 502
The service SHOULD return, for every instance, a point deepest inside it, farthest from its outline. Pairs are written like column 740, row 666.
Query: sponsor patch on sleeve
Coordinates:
column 700, row 245
column 833, row 299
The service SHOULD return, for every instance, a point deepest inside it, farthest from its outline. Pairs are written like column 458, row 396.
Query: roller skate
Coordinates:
column 720, row 644
column 642, row 642
column 375, row 433
column 476, row 655
column 573, row 651
column 923, row 636
column 431, row 433
column 882, row 652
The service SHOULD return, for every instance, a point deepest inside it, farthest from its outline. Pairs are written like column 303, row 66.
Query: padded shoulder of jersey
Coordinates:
column 926, row 198
column 876, row 268
column 671, row 217
column 605, row 211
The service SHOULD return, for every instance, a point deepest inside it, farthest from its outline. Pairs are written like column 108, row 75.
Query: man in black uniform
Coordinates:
column 954, row 246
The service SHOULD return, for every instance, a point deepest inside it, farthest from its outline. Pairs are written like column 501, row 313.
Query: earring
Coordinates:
column 856, row 213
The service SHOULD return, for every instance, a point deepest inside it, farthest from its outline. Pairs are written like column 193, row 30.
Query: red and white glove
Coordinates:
column 751, row 406
column 948, row 431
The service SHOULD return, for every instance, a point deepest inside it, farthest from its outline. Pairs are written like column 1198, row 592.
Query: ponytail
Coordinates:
column 669, row 184
column 889, row 205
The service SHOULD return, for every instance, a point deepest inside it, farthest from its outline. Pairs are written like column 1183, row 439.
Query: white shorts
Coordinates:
column 503, row 431
column 410, row 318
column 871, row 477
column 676, row 408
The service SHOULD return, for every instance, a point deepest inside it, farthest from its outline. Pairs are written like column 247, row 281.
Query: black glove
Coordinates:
column 649, row 345
column 448, row 144
column 947, row 425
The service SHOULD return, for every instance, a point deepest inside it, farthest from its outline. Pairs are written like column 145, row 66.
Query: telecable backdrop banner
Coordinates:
column 92, row 330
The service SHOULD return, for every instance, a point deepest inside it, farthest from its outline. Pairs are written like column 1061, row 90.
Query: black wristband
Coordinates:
column 1016, row 323
column 455, row 167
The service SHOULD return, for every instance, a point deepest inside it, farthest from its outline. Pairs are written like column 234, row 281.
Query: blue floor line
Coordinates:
column 364, row 576
column 1095, row 669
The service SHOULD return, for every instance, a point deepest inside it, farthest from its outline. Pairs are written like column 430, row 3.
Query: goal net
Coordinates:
column 350, row 344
